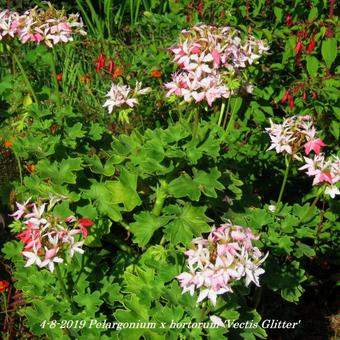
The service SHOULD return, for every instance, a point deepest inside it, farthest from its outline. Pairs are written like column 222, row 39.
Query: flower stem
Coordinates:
column 161, row 195
column 232, row 117
column 63, row 287
column 221, row 113
column 226, row 114
column 24, row 74
column 195, row 126
column 287, row 161
column 315, row 201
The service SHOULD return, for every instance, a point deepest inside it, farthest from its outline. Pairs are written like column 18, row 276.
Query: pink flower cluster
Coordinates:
column 206, row 56
column 324, row 171
column 227, row 255
column 293, row 134
column 36, row 25
column 296, row 133
column 48, row 239
column 120, row 95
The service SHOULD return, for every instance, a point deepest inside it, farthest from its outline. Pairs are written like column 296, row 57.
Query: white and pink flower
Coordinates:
column 47, row 238
column 227, row 255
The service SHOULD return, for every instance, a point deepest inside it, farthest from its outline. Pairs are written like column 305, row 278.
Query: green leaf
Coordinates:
column 88, row 211
column 184, row 186
column 103, row 200
column 110, row 291
column 335, row 129
column 124, row 191
column 313, row 14
column 60, row 173
column 96, row 131
column 145, row 226
column 329, row 51
column 278, row 14
column 12, row 250
column 62, row 210
column 188, row 221
column 303, row 249
column 208, row 182
column 312, row 65
column 89, row 301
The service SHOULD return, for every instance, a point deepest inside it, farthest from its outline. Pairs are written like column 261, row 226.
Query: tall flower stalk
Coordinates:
column 284, row 181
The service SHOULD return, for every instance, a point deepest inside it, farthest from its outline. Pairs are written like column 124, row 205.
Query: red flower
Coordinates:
column 83, row 223
column 298, row 47
column 289, row 20
column 3, row 285
column 111, row 65
column 291, row 102
column 200, row 8
column 311, row 46
column 156, row 74
column 59, row 76
column 285, row 97
column 101, row 62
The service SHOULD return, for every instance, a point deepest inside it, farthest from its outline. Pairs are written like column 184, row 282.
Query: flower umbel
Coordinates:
column 47, row 238
column 123, row 95
column 227, row 255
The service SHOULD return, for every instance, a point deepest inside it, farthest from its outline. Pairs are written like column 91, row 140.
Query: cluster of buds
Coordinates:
column 48, row 239
column 123, row 95
column 296, row 133
column 36, row 25
column 208, row 56
column 226, row 256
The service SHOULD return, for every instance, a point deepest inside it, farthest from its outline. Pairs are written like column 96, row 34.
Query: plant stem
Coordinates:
column 287, row 161
column 221, row 113
column 232, row 117
column 161, row 195
column 24, row 74
column 195, row 126
column 226, row 114
column 315, row 201
column 63, row 287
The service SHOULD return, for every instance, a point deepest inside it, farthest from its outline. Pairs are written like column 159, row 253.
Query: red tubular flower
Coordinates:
column 311, row 46
column 291, row 102
column 3, row 285
column 59, row 76
column 289, row 20
column 298, row 47
column 111, row 65
column 200, row 8
column 101, row 62
column 285, row 96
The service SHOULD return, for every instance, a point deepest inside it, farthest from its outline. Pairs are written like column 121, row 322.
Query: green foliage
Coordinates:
column 149, row 183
